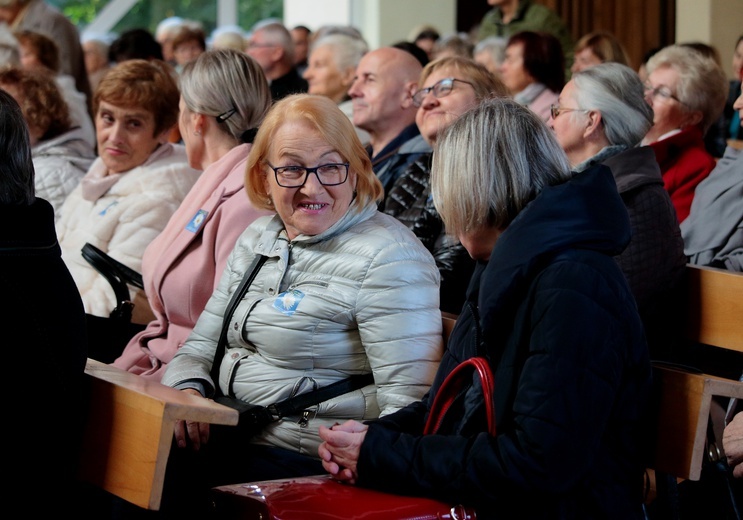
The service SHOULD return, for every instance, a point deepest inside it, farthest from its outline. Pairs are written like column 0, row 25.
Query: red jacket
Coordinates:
column 684, row 163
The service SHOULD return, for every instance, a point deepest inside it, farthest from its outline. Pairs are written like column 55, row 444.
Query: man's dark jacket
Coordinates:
column 411, row 202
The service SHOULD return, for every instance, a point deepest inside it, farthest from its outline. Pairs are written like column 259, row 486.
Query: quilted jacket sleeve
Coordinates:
column 400, row 324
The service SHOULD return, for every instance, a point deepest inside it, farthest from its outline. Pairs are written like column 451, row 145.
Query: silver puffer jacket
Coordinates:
column 361, row 297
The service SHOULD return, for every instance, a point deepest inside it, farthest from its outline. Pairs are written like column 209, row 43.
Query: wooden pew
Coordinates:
column 713, row 316
column 129, row 431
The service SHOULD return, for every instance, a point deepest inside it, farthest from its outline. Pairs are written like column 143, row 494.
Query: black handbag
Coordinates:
column 253, row 418
column 107, row 337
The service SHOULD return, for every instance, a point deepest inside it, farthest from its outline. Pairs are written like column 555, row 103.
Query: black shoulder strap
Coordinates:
column 258, row 262
column 295, row 405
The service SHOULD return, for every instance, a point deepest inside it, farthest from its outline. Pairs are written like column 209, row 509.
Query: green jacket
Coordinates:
column 529, row 17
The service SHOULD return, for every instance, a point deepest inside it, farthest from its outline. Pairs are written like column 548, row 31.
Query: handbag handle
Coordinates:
column 453, row 385
column 118, row 275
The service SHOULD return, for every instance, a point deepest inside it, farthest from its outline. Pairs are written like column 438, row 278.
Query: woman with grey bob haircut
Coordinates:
column 551, row 312
column 601, row 118
column 238, row 107
column 495, row 164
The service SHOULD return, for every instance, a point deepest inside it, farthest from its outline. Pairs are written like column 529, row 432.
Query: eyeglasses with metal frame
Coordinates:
column 662, row 91
column 331, row 174
column 556, row 110
column 441, row 88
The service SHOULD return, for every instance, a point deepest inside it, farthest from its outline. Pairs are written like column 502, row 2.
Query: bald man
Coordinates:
column 382, row 96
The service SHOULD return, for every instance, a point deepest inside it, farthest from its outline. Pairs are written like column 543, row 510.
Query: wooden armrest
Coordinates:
column 683, row 400
column 129, row 431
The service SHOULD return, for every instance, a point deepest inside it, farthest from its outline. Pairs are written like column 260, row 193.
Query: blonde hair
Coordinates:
column 485, row 83
column 333, row 125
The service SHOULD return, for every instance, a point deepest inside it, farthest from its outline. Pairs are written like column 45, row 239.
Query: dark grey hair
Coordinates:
column 617, row 92
column 490, row 163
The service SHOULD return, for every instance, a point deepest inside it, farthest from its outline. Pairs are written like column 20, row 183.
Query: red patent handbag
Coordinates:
column 322, row 498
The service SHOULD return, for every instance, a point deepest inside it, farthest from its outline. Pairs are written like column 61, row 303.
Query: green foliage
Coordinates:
column 148, row 13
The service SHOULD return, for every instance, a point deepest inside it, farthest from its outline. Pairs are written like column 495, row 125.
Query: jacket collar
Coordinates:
column 275, row 228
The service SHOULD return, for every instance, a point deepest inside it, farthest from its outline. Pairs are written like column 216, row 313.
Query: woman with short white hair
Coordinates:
column 687, row 92
column 331, row 68
column 601, row 118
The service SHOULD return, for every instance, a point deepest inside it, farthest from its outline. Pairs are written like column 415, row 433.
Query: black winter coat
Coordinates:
column 45, row 349
column 554, row 315
column 410, row 201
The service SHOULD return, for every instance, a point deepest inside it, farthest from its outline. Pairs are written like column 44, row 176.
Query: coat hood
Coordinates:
column 584, row 213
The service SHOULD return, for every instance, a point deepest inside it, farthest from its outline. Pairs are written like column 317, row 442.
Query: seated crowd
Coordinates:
column 302, row 217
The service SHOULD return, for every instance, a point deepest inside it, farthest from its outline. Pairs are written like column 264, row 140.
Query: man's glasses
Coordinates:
column 331, row 174
column 440, row 89
column 556, row 110
column 662, row 92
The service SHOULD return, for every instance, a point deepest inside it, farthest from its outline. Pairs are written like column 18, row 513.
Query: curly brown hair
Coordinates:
column 43, row 47
column 41, row 100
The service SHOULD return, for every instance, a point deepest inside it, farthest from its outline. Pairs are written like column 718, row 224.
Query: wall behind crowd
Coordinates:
column 639, row 24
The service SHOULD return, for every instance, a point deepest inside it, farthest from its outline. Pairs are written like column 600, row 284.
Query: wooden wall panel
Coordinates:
column 639, row 24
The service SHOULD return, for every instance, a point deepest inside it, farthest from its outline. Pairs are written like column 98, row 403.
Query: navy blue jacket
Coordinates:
column 554, row 315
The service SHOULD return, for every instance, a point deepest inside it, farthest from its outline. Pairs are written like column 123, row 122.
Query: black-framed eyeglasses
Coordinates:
column 661, row 91
column 441, row 88
column 331, row 174
column 556, row 110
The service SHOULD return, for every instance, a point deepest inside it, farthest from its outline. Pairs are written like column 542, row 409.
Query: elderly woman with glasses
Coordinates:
column 601, row 119
column 344, row 290
column 687, row 92
column 452, row 86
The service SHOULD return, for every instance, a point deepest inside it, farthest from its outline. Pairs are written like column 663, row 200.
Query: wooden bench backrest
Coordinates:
column 130, row 430
column 714, row 316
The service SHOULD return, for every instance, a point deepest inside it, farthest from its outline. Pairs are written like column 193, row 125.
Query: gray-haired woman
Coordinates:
column 331, row 69
column 601, row 118
column 553, row 314
column 686, row 90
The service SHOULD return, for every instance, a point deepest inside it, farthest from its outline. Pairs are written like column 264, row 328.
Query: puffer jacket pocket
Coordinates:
column 227, row 370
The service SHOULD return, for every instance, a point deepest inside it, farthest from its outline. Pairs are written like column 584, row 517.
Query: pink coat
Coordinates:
column 182, row 266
